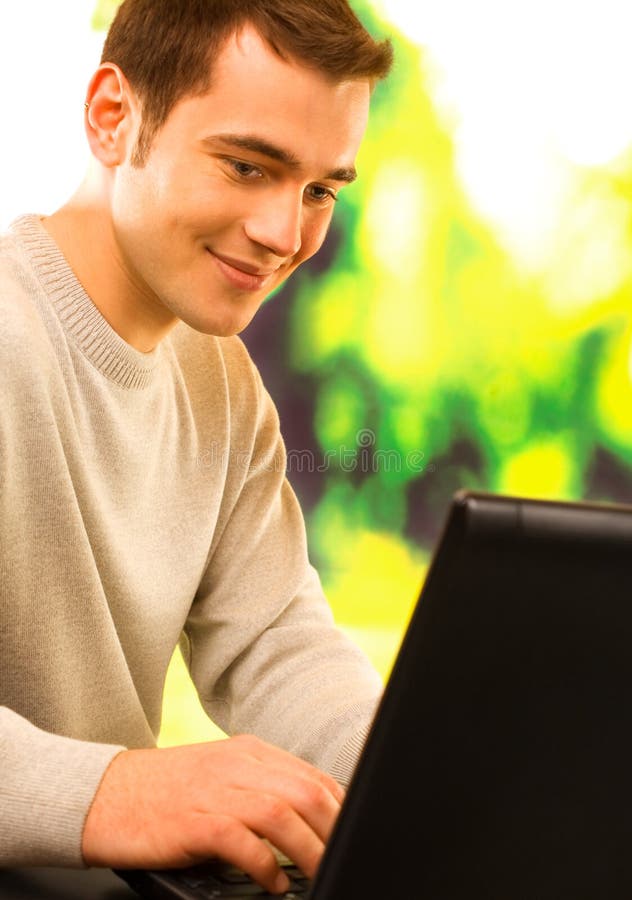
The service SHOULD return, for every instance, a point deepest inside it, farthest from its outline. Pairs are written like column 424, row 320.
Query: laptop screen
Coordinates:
column 499, row 765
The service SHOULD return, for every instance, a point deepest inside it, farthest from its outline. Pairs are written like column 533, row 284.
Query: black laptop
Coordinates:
column 499, row 765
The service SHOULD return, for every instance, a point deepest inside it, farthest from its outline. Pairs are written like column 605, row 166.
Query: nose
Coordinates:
column 275, row 223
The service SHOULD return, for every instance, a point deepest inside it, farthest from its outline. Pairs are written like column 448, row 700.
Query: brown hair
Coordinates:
column 166, row 47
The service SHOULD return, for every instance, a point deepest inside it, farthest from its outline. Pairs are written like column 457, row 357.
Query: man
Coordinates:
column 221, row 133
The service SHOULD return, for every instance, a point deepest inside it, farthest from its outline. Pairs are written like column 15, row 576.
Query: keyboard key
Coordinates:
column 233, row 876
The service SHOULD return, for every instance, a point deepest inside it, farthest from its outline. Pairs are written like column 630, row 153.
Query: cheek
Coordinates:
column 134, row 204
column 158, row 196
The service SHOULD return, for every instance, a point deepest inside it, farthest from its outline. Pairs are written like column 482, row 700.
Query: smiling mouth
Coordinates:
column 242, row 275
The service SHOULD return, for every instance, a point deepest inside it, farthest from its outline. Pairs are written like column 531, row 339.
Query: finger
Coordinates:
column 274, row 819
column 309, row 798
column 298, row 784
column 231, row 840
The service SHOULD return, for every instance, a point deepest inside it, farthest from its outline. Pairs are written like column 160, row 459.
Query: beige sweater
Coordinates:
column 143, row 502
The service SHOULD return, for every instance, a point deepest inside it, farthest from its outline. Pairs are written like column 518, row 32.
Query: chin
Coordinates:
column 224, row 327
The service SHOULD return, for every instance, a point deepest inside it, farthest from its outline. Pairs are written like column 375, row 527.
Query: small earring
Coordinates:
column 86, row 105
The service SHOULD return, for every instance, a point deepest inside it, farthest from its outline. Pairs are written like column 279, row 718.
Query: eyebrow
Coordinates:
column 259, row 145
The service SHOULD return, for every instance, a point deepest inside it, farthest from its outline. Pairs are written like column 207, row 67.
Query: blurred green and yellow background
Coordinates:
column 467, row 322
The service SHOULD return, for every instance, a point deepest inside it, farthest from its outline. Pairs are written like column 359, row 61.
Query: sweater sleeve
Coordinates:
column 47, row 781
column 47, row 786
column 260, row 641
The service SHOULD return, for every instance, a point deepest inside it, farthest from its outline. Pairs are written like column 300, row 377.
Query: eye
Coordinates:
column 321, row 194
column 244, row 170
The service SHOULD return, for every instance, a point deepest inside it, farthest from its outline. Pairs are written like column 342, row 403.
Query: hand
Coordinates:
column 178, row 806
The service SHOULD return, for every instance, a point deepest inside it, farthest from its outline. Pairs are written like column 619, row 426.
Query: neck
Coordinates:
column 84, row 232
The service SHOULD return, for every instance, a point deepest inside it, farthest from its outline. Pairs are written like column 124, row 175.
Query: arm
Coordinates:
column 47, row 785
column 260, row 640
column 48, row 781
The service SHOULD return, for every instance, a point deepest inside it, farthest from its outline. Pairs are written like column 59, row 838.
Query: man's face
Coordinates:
column 238, row 188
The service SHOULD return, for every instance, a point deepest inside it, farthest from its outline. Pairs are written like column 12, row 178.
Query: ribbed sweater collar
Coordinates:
column 80, row 318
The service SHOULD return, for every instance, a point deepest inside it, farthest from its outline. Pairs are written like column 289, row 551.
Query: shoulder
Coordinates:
column 23, row 331
column 211, row 362
column 220, row 369
column 16, row 276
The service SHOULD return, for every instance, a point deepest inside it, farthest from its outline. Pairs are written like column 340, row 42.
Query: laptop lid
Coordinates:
column 499, row 764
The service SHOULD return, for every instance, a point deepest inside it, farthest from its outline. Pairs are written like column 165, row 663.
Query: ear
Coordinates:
column 112, row 115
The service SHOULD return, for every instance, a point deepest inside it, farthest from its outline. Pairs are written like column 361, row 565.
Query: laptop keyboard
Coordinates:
column 211, row 881
column 216, row 880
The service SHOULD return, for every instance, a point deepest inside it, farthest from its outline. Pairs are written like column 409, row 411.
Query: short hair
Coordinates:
column 165, row 48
